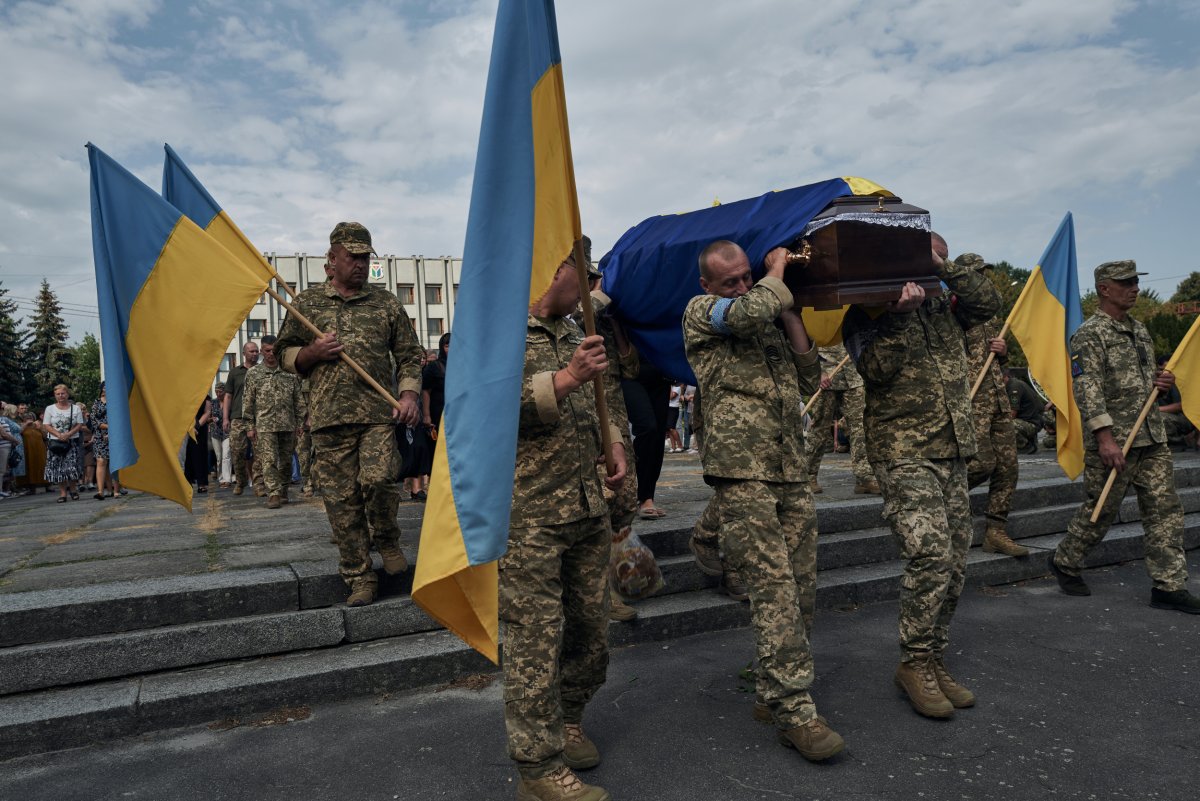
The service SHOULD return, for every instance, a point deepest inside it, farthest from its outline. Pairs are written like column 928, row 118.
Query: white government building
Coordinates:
column 427, row 286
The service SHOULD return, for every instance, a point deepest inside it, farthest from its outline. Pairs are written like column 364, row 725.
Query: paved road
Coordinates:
column 1080, row 698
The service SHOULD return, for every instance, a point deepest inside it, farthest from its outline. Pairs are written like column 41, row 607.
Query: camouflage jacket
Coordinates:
column 272, row 400
column 618, row 366
column 752, row 382
column 1113, row 362
column 558, row 442
column 992, row 395
column 376, row 333
column 914, row 366
column 847, row 377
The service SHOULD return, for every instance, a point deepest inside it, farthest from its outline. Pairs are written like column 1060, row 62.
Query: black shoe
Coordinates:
column 1179, row 600
column 1071, row 585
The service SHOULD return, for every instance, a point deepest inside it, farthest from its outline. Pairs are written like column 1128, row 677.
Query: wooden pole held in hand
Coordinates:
column 589, row 328
column 987, row 365
column 1112, row 474
column 817, row 394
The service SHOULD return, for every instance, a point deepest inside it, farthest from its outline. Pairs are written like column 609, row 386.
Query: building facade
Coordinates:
column 427, row 286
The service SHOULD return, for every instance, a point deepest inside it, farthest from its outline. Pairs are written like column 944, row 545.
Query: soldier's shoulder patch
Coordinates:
column 773, row 355
column 1076, row 366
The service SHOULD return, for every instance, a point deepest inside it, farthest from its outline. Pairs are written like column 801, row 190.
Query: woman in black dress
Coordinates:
column 195, row 460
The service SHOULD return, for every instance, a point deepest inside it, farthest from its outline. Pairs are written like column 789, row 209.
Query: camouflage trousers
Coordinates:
column 1151, row 471
column 359, row 467
column 273, row 457
column 834, row 403
column 1177, row 427
column 769, row 535
column 707, row 530
column 304, row 454
column 245, row 471
column 925, row 501
column 554, row 606
column 995, row 461
column 1024, row 433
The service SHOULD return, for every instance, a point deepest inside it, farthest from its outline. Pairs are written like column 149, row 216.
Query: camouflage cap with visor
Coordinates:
column 973, row 261
column 353, row 236
column 1117, row 271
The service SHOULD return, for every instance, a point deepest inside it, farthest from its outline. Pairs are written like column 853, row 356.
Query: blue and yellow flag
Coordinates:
column 183, row 191
column 1046, row 314
column 523, row 221
column 652, row 272
column 170, row 301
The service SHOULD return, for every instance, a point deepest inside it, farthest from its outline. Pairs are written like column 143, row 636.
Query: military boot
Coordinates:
column 273, row 502
column 1179, row 600
column 394, row 562
column 996, row 540
column 620, row 611
column 917, row 679
column 733, row 586
column 1071, row 585
column 708, row 558
column 959, row 696
column 561, row 785
column 762, row 710
column 817, row 489
column 363, row 590
column 868, row 487
column 238, row 489
column 814, row 740
column 579, row 752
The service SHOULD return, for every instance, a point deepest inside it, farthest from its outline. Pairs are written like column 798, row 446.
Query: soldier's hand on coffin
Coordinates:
column 1164, row 381
column 589, row 359
column 775, row 262
column 911, row 298
column 998, row 346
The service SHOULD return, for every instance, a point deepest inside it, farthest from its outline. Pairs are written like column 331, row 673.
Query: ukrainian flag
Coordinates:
column 1046, row 314
column 183, row 191
column 170, row 301
column 652, row 271
column 1185, row 364
column 523, row 221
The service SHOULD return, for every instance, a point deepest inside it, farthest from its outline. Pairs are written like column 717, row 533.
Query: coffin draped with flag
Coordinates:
column 653, row 271
column 523, row 221
column 171, row 298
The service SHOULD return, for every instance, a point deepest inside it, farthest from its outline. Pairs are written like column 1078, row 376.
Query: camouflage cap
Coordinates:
column 1117, row 270
column 973, row 261
column 587, row 256
column 353, row 236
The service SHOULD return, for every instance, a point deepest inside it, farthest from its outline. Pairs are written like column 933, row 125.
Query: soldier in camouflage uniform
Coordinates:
column 1027, row 409
column 275, row 409
column 353, row 427
column 995, row 459
column 919, row 435
column 1112, row 359
column 304, row 451
column 554, row 575
column 244, row 470
column 752, row 376
column 841, row 396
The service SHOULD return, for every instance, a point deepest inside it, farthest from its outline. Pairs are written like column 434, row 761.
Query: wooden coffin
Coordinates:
column 862, row 250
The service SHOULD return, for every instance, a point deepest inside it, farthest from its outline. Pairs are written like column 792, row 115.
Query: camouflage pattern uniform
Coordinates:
column 995, row 459
column 554, row 575
column 304, row 450
column 274, row 408
column 844, row 398
column 919, row 436
column 1028, row 406
column 752, row 382
column 243, row 468
column 352, row 429
column 1114, row 365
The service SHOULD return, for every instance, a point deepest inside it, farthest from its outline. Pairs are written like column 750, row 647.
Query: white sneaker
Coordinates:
column 692, row 450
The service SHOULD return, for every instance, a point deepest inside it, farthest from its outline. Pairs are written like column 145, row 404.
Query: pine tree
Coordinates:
column 85, row 373
column 47, row 357
column 12, row 373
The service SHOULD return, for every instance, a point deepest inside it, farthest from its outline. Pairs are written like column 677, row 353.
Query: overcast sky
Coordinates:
column 997, row 117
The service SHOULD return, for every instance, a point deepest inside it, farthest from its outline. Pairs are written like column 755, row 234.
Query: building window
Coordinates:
column 226, row 364
column 455, row 290
column 255, row 328
column 406, row 294
column 291, row 285
column 433, row 294
column 437, row 326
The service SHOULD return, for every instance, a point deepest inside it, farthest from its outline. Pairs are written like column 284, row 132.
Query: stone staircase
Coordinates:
column 86, row 664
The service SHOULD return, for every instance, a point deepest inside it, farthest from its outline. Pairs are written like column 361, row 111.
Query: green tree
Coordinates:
column 47, row 357
column 85, row 372
column 1009, row 281
column 12, row 372
column 1188, row 289
column 1148, row 304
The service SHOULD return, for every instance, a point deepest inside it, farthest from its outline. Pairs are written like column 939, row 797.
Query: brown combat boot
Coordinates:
column 708, row 557
column 996, row 540
column 273, row 502
column 868, row 487
column 362, row 590
column 621, row 612
column 817, row 489
column 260, row 490
column 238, row 489
column 579, row 752
column 959, row 696
column 814, row 740
column 916, row 678
column 561, row 785
column 394, row 562
column 733, row 586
